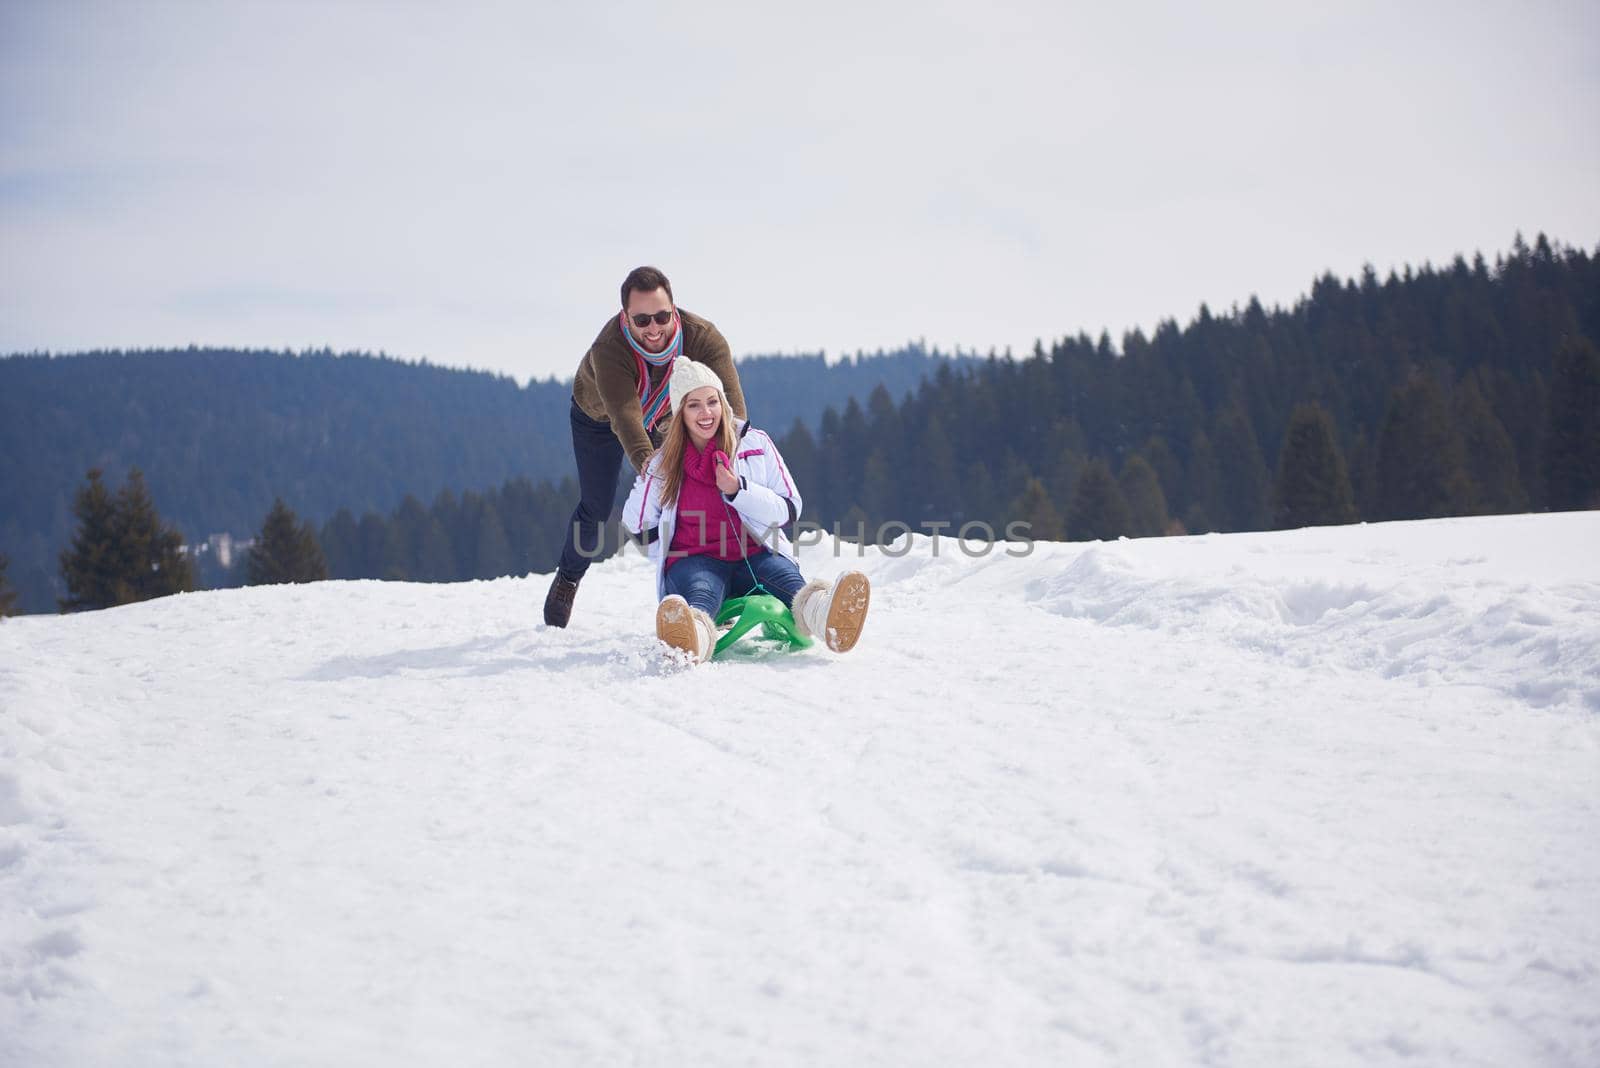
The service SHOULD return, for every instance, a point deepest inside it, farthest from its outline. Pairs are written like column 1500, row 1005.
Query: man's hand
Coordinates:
column 727, row 481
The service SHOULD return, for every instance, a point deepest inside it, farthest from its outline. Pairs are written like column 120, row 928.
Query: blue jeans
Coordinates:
column 599, row 456
column 706, row 582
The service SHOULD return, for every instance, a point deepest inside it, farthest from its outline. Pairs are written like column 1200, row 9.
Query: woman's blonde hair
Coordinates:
column 677, row 441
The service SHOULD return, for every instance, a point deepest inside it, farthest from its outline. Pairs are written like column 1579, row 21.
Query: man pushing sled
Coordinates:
column 714, row 500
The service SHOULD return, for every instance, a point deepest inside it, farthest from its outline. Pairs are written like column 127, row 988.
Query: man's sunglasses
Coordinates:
column 662, row 318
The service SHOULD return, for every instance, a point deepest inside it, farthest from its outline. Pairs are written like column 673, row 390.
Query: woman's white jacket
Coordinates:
column 767, row 501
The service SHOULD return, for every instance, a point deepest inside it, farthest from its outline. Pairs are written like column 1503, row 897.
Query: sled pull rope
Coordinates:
column 738, row 525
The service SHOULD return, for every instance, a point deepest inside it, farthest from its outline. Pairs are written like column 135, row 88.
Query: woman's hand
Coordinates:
column 727, row 481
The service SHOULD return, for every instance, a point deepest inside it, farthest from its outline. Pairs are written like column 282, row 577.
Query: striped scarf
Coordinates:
column 651, row 405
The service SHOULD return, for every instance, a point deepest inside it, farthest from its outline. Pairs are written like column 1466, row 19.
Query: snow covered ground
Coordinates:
column 1323, row 797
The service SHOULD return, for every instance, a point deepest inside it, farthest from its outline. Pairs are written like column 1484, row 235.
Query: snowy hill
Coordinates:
column 1321, row 797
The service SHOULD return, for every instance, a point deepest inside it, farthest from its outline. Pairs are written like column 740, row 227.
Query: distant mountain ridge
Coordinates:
column 219, row 433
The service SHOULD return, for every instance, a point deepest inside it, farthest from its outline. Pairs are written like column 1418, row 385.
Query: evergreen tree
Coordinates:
column 855, row 438
column 341, row 545
column 1205, row 486
column 122, row 551
column 936, row 486
column 877, row 490
column 853, row 526
column 1313, row 487
column 1422, row 470
column 1168, row 471
column 1572, row 443
column 382, row 550
column 1363, row 469
column 1496, row 488
column 884, row 418
column 285, row 550
column 410, row 521
column 154, row 561
column 8, row 596
column 1147, row 505
column 1242, row 473
column 1061, row 480
column 463, row 531
column 982, row 499
column 1036, row 509
column 830, row 492
column 90, row 567
column 492, row 558
column 1098, row 511
column 434, row 560
column 456, row 558
column 799, row 451
column 1009, row 487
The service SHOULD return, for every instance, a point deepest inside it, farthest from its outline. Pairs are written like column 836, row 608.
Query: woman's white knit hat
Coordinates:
column 688, row 376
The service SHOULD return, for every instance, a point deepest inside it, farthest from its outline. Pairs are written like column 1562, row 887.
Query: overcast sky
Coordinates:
column 470, row 182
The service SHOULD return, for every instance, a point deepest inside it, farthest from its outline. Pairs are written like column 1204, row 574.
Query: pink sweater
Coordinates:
column 707, row 523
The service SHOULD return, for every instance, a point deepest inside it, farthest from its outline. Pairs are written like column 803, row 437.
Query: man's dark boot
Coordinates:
column 558, row 602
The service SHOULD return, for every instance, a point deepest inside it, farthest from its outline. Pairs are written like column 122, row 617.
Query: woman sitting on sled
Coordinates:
column 713, row 503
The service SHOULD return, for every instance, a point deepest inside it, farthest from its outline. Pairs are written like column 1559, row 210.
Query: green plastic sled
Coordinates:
column 758, row 610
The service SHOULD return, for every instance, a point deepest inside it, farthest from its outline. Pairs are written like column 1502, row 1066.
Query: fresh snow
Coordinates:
column 1322, row 797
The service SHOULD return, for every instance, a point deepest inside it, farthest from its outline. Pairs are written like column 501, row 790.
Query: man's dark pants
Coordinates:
column 599, row 456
